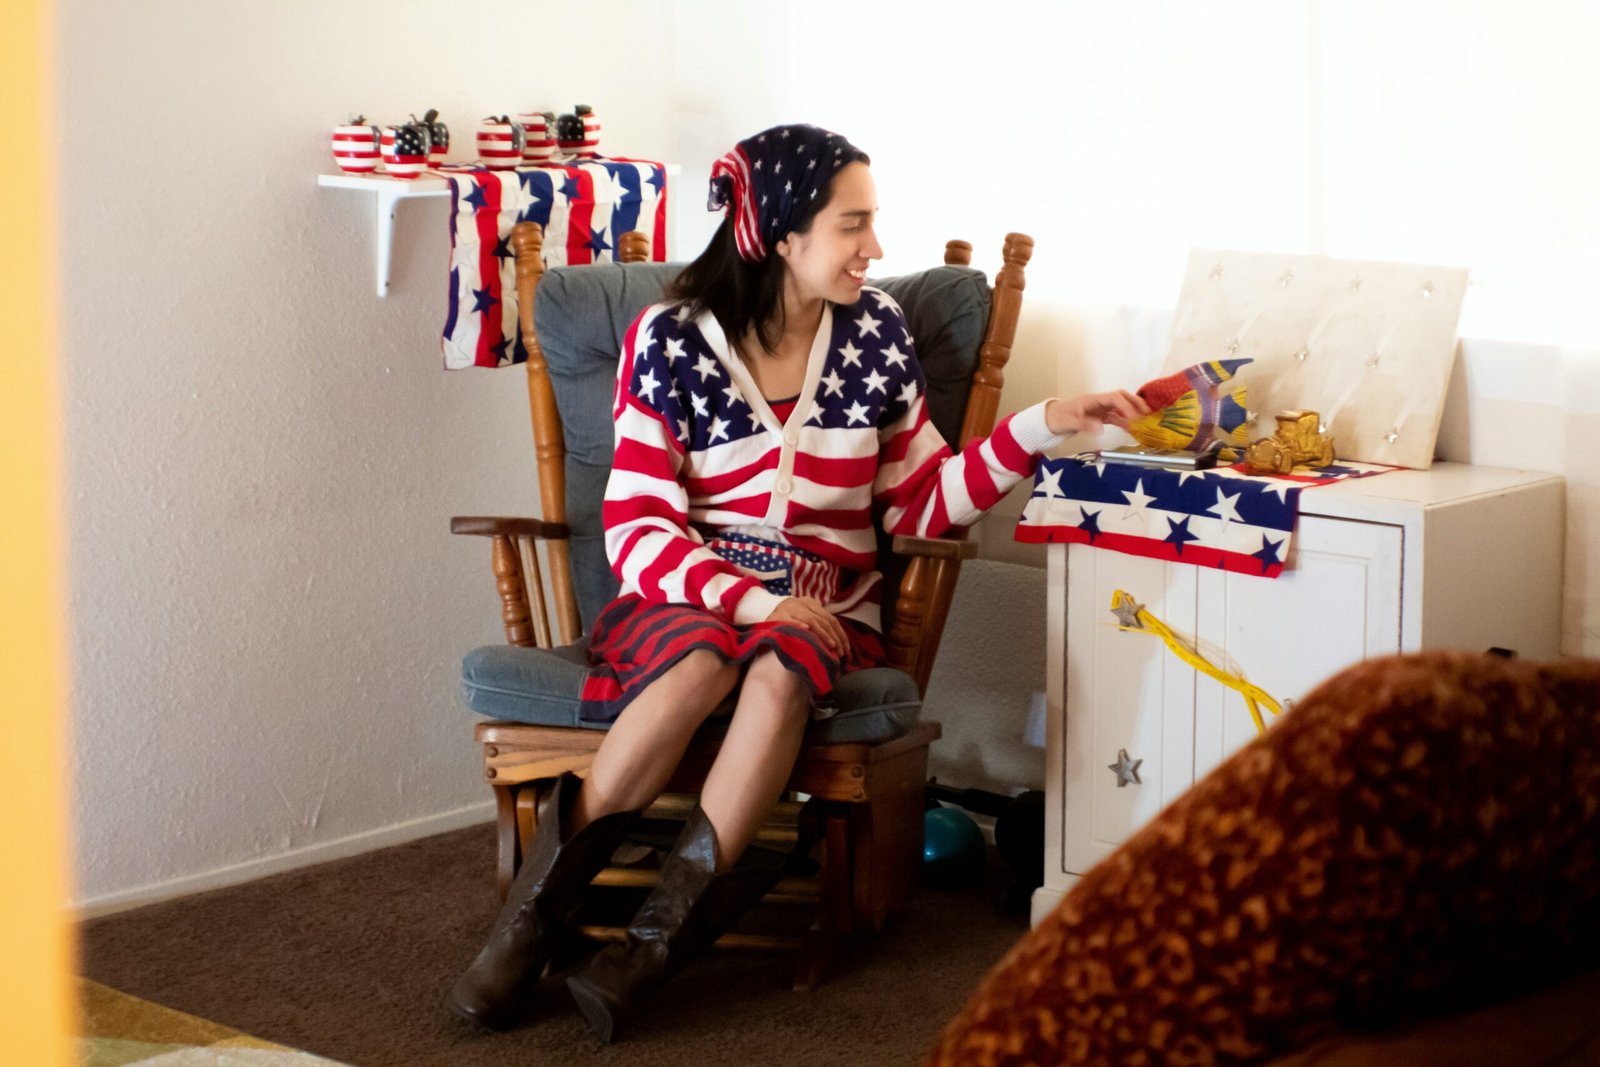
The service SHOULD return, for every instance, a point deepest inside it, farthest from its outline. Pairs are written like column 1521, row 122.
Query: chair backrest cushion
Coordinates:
column 582, row 313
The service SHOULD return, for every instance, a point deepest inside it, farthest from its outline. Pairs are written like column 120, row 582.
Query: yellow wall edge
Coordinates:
column 36, row 1013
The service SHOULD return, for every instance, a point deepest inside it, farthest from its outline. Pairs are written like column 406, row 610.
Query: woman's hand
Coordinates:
column 1087, row 413
column 809, row 614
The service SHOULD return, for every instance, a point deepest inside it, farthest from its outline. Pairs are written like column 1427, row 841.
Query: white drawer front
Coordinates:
column 1337, row 603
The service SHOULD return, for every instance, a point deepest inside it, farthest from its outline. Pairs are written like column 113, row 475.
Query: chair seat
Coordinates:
column 541, row 687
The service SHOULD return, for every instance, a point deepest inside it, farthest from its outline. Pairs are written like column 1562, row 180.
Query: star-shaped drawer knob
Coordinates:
column 1127, row 770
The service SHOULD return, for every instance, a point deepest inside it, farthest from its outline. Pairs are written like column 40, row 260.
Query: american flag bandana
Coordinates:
column 584, row 206
column 1221, row 518
column 767, row 182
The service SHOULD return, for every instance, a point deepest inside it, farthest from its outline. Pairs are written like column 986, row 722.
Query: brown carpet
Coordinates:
column 351, row 960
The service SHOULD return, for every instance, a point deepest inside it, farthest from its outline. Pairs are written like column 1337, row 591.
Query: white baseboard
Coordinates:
column 306, row 856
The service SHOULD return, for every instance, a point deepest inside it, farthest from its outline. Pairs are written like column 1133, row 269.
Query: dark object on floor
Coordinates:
column 953, row 848
column 1018, row 834
column 1416, row 839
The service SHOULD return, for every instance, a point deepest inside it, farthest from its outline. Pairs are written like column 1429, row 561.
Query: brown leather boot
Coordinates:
column 538, row 909
column 689, row 908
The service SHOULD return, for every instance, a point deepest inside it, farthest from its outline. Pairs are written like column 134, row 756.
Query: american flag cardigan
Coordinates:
column 712, row 502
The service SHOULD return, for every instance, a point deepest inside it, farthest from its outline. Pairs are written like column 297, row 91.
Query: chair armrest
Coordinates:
column 925, row 594
column 933, row 547
column 522, row 596
column 499, row 526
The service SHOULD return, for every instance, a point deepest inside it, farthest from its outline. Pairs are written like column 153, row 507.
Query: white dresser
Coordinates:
column 1454, row 557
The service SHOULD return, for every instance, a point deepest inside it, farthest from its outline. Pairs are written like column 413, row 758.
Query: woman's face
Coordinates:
column 830, row 260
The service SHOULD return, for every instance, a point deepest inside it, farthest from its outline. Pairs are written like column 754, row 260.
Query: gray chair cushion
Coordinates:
column 582, row 314
column 541, row 686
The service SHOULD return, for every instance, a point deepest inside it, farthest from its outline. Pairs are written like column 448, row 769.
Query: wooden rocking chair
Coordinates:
column 866, row 784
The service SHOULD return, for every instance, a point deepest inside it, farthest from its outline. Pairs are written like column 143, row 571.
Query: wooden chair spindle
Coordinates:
column 513, row 592
column 635, row 247
column 550, row 449
column 535, row 585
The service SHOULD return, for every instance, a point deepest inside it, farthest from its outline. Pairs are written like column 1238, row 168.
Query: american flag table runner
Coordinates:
column 1216, row 518
column 584, row 206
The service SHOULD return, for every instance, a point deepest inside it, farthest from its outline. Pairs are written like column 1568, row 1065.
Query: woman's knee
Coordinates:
column 704, row 672
column 769, row 683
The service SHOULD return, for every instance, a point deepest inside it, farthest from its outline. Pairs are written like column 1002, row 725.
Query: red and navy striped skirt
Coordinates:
column 635, row 641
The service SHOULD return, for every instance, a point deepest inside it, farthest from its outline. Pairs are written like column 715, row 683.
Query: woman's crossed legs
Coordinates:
column 646, row 743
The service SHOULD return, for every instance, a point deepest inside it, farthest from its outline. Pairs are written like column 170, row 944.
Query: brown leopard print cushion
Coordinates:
column 1419, row 835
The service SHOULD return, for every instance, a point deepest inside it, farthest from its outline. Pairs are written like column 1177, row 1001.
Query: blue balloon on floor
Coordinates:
column 953, row 848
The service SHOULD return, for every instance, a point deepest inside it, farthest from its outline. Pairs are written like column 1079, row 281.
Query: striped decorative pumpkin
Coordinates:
column 538, row 142
column 355, row 147
column 500, row 143
column 591, row 133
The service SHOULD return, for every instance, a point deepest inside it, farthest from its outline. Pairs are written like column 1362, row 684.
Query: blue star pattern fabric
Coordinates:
column 1216, row 518
column 870, row 378
column 771, row 562
column 584, row 206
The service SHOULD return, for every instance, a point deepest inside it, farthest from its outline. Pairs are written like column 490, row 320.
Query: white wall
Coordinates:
column 268, row 610
column 268, row 614
column 1122, row 135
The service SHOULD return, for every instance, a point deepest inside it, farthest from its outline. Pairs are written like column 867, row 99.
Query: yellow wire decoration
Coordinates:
column 1133, row 618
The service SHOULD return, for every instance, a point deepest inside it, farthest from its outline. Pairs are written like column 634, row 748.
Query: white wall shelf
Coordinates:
column 387, row 193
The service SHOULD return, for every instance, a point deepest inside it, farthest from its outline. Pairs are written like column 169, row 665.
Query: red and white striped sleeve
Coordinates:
column 645, row 512
column 924, row 489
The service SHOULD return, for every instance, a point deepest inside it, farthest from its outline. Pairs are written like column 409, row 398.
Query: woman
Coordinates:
column 762, row 418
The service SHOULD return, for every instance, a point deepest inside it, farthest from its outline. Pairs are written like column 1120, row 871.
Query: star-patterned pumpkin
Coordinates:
column 438, row 137
column 405, row 149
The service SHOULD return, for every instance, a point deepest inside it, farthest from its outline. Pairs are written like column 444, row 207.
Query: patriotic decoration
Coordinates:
column 700, row 455
column 591, row 133
column 405, row 150
column 1218, row 518
column 355, row 146
column 768, row 181
column 438, row 137
column 538, row 144
column 585, row 207
column 579, row 133
column 1190, row 411
column 500, row 143
column 782, row 569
